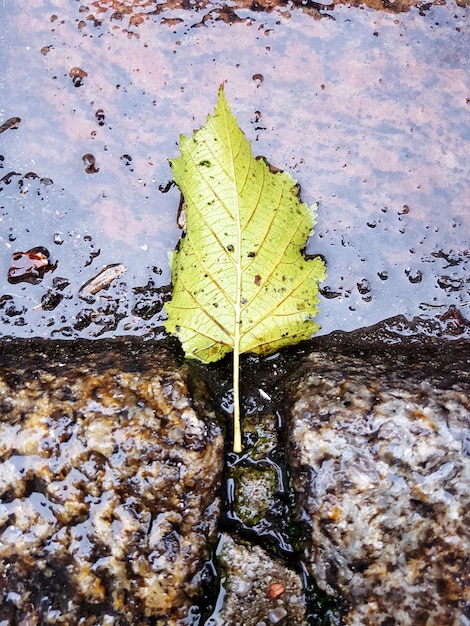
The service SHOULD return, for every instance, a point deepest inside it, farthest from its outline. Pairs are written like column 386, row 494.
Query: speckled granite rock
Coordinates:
column 108, row 485
column 258, row 590
column 380, row 450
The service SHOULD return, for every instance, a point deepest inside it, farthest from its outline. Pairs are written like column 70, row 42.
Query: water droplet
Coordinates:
column 382, row 275
column 414, row 276
column 30, row 266
column 58, row 239
column 89, row 163
column 328, row 293
column 363, row 287
column 258, row 78
column 77, row 75
column 450, row 283
column 100, row 117
column 127, row 159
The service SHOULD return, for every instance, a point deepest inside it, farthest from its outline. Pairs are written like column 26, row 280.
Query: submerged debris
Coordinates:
column 12, row 124
column 102, row 280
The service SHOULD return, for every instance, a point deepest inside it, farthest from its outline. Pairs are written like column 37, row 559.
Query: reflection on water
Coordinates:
column 369, row 111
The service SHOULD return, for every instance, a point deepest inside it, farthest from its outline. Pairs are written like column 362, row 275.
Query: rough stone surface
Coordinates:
column 380, row 450
column 258, row 590
column 108, row 485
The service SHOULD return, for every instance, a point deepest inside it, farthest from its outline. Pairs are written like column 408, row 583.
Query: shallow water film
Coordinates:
column 369, row 110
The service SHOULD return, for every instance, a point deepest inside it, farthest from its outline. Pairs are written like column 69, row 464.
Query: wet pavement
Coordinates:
column 369, row 110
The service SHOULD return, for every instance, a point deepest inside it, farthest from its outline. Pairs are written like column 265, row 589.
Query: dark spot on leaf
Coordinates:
column 251, row 255
column 258, row 280
column 205, row 163
column 230, row 248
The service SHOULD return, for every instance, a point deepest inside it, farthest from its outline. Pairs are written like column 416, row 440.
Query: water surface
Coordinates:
column 369, row 110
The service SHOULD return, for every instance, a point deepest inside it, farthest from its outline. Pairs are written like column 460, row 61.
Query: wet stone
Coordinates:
column 380, row 453
column 258, row 589
column 110, row 469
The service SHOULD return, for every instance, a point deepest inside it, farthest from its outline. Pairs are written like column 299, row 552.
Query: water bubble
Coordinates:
column 258, row 79
column 383, row 275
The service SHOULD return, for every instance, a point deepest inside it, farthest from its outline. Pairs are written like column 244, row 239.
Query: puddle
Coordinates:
column 368, row 110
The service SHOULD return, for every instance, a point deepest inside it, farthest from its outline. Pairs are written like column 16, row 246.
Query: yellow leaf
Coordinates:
column 240, row 280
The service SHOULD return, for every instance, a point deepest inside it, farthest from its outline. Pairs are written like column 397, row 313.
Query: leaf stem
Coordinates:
column 237, row 434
